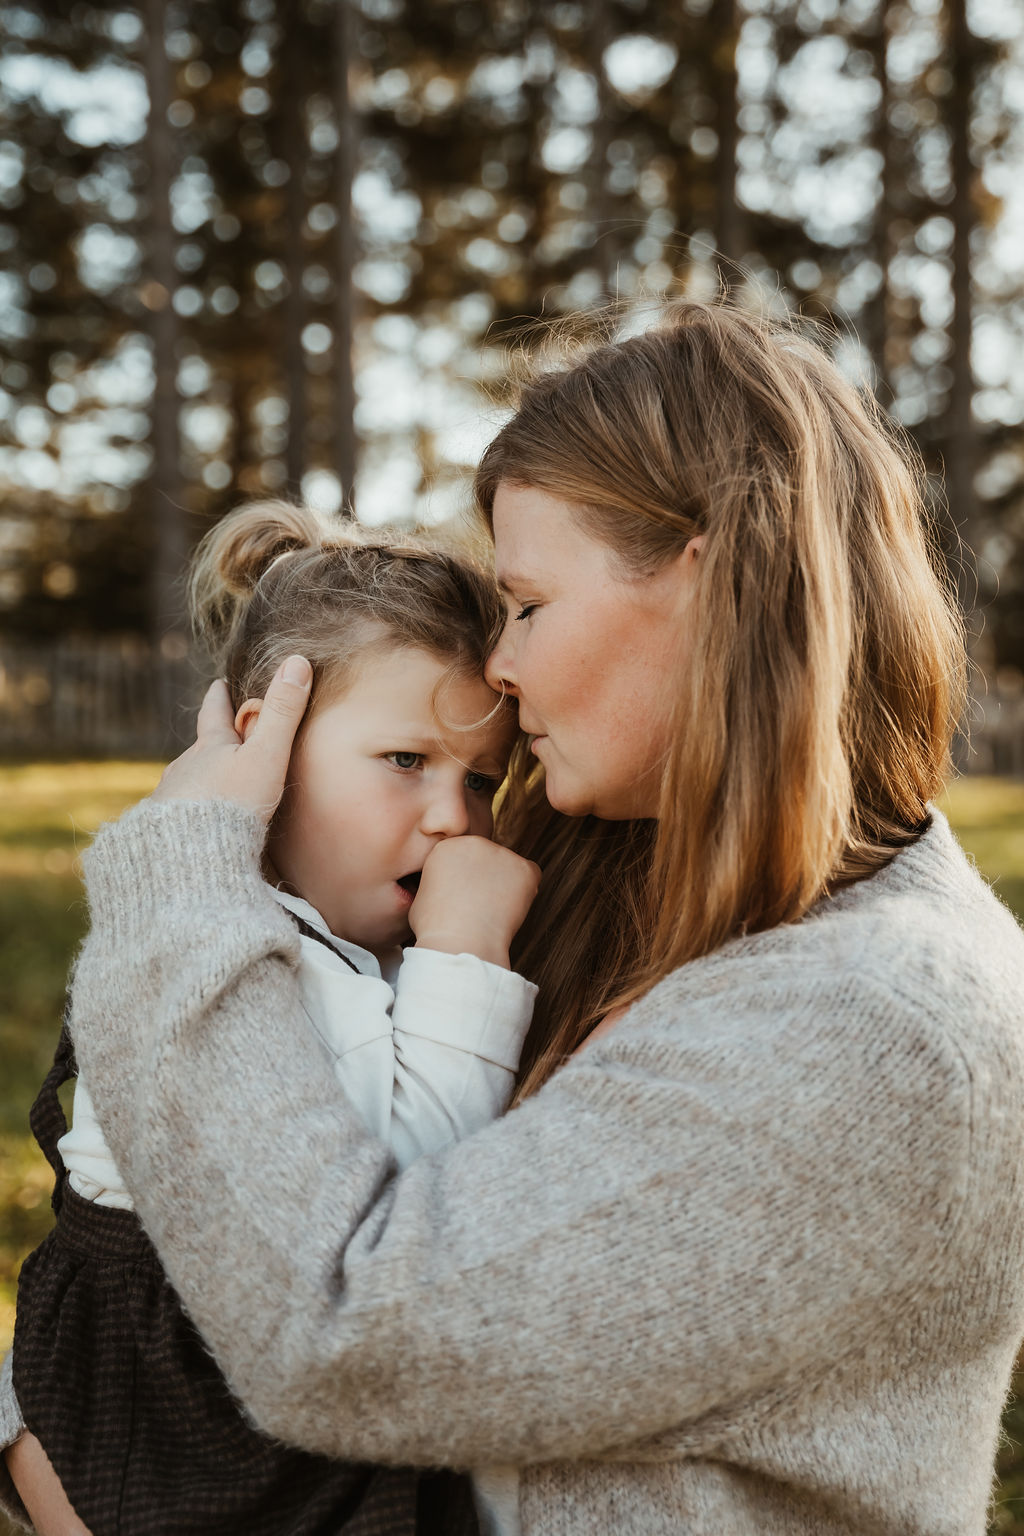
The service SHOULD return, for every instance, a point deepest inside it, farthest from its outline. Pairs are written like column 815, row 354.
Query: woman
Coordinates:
column 752, row 1258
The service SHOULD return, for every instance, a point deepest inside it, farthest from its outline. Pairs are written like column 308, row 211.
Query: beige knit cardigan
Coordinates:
column 751, row 1262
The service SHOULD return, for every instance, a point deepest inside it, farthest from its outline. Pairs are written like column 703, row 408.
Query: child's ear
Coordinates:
column 247, row 716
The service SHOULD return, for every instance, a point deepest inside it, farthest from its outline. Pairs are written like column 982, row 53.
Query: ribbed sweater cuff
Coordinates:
column 162, row 852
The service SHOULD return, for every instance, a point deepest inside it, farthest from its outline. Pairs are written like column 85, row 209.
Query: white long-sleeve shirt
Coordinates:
column 427, row 1054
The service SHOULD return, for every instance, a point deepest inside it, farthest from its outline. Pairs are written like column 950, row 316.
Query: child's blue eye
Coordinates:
column 481, row 783
column 404, row 759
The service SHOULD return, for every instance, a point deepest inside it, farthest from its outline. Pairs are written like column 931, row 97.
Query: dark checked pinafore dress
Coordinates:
column 115, row 1382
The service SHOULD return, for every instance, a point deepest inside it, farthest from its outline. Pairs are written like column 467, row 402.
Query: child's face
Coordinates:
column 376, row 781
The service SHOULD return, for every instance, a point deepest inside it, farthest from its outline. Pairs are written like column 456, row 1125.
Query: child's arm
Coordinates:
column 460, row 1015
column 459, row 1026
column 88, row 1159
column 436, row 1058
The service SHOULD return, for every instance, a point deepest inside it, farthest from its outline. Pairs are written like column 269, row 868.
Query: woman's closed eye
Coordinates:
column 525, row 611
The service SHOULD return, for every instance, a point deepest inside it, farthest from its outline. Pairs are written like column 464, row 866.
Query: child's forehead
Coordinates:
column 475, row 717
column 429, row 701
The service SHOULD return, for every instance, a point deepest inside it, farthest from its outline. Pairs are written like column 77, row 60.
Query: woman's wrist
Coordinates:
column 161, row 854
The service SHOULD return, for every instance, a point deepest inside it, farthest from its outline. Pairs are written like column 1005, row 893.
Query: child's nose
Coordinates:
column 447, row 814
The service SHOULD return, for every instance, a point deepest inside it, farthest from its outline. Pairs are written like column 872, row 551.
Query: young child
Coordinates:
column 392, row 781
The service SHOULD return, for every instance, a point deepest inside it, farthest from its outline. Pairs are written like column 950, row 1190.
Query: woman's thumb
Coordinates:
column 283, row 708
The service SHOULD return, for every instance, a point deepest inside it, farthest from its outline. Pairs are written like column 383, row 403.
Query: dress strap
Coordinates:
column 309, row 932
column 46, row 1118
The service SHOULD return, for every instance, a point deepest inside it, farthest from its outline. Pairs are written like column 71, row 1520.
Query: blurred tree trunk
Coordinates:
column 169, row 528
column 344, row 262
column 879, row 317
column 728, row 218
column 602, row 209
column 528, row 177
column 960, row 426
column 293, row 72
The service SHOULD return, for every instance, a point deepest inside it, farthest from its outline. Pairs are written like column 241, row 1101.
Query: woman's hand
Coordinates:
column 40, row 1489
column 221, row 766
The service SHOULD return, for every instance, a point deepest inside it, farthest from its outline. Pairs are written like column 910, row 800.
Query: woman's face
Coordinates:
column 590, row 651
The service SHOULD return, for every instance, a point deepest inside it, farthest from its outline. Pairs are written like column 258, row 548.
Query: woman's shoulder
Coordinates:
column 929, row 928
column 927, row 918
column 922, row 953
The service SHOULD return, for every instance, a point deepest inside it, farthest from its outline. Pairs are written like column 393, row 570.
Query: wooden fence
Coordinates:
column 993, row 737
column 123, row 698
column 95, row 698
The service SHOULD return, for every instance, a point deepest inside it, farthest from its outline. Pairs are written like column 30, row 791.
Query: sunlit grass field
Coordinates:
column 48, row 814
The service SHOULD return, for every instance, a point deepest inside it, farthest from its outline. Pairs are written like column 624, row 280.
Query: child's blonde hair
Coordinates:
column 816, row 705
column 273, row 579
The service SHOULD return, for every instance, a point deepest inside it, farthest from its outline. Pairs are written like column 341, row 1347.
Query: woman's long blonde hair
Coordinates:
column 825, row 670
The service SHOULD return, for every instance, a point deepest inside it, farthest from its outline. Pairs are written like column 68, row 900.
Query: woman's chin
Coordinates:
column 570, row 799
column 587, row 800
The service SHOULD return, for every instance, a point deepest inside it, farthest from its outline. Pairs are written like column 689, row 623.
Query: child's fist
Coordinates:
column 472, row 898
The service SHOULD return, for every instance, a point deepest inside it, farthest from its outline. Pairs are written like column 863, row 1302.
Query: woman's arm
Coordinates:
column 716, row 1195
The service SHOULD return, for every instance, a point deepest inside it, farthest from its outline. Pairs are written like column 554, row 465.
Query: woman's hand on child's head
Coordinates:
column 472, row 898
column 251, row 773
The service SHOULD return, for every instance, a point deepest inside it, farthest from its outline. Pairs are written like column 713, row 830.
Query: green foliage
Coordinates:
column 49, row 811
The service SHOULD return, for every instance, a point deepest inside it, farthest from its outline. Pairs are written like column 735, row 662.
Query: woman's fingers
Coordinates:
column 283, row 708
column 216, row 717
column 220, row 766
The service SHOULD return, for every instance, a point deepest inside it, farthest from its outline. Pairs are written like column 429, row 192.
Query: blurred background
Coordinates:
column 250, row 247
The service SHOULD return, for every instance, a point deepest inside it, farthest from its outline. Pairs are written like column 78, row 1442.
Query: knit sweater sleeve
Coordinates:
column 741, row 1183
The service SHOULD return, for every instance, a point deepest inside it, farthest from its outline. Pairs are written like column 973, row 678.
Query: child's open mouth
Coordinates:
column 411, row 883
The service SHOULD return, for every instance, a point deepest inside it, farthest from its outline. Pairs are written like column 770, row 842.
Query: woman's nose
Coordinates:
column 499, row 672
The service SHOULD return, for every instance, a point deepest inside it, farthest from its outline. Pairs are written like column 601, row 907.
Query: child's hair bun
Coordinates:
column 247, row 542
column 231, row 560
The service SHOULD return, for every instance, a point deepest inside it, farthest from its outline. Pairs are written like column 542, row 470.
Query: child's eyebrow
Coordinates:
column 413, row 738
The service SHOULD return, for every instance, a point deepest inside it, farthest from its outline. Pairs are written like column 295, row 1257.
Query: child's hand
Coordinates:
column 472, row 899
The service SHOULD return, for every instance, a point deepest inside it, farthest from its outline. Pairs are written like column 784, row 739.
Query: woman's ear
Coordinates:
column 682, row 571
column 691, row 566
column 247, row 716
column 691, row 551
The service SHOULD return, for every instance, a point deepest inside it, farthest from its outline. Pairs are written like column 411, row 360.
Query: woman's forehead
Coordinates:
column 537, row 533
